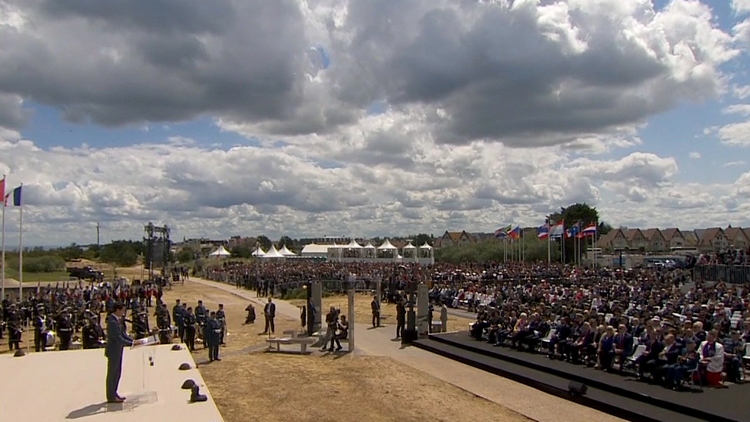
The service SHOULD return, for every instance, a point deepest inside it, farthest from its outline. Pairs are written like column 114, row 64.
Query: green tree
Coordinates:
column 603, row 228
column 185, row 255
column 264, row 242
column 70, row 252
column 241, row 251
column 422, row 238
column 581, row 214
column 285, row 241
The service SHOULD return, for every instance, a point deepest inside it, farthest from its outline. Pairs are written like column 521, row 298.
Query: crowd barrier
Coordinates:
column 733, row 274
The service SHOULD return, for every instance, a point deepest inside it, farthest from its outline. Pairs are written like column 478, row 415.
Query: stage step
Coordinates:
column 596, row 398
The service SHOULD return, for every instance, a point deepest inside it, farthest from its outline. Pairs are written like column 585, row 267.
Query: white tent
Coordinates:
column 387, row 246
column 259, row 252
column 314, row 250
column 220, row 252
column 286, row 252
column 353, row 245
column 273, row 253
column 369, row 246
column 425, row 246
column 410, row 246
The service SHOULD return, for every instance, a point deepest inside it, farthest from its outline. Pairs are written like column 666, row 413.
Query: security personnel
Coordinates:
column 165, row 325
column 177, row 317
column 40, row 336
column 213, row 334
column 190, row 329
column 222, row 318
column 64, row 329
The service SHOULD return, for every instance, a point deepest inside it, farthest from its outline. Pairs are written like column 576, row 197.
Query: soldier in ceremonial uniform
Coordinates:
column 222, row 318
column 140, row 325
column 200, row 319
column 14, row 327
column 91, row 338
column 213, row 334
column 64, row 329
column 177, row 317
column 40, row 334
column 189, row 321
column 165, row 325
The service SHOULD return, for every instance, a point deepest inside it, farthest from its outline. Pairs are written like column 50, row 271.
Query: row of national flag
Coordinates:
column 558, row 230
column 554, row 231
column 12, row 198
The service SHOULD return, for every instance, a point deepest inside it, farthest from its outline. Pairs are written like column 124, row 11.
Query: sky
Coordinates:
column 365, row 118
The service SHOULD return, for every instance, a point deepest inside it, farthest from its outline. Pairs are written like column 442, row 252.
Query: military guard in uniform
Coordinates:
column 64, row 329
column 40, row 334
column 213, row 334
column 165, row 325
column 177, row 317
column 222, row 318
column 200, row 319
column 14, row 327
column 189, row 321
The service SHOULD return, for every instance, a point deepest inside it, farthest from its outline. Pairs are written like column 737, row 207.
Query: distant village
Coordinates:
column 652, row 240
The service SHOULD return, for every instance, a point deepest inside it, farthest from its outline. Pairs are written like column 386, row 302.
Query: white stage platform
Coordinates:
column 69, row 385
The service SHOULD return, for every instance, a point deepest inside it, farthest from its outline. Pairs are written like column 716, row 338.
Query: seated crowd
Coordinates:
column 650, row 323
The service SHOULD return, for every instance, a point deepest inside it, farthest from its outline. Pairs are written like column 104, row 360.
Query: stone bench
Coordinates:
column 302, row 342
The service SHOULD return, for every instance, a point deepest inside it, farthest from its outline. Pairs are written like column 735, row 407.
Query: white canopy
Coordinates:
column 410, row 246
column 273, row 253
column 220, row 252
column 259, row 252
column 314, row 249
column 425, row 246
column 354, row 245
column 286, row 252
column 369, row 246
column 387, row 246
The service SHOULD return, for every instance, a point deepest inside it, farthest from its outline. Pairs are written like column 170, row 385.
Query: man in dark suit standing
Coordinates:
column 117, row 339
column 269, row 311
column 375, row 305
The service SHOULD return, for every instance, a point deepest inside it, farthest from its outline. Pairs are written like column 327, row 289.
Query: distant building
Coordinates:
column 461, row 238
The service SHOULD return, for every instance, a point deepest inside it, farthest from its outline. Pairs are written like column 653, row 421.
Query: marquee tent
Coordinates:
column 221, row 252
column 258, row 253
column 286, row 252
column 273, row 253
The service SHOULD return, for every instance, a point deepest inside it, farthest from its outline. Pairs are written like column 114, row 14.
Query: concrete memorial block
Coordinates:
column 317, row 303
column 423, row 309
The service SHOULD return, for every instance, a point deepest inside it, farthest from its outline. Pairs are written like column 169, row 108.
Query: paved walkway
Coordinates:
column 525, row 400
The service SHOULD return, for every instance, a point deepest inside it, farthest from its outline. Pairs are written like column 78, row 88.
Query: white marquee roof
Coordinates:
column 425, row 246
column 286, row 252
column 314, row 249
column 259, row 252
column 410, row 246
column 273, row 253
column 369, row 246
column 220, row 252
column 387, row 246
column 354, row 245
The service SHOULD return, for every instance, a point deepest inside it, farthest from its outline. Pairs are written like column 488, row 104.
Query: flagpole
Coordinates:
column 20, row 249
column 2, row 294
column 549, row 242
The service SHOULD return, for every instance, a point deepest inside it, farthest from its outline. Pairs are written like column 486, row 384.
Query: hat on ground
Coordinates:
column 19, row 353
column 176, row 347
column 188, row 384
column 185, row 367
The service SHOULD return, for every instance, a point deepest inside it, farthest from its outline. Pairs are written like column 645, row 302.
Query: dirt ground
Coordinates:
column 363, row 310
column 251, row 384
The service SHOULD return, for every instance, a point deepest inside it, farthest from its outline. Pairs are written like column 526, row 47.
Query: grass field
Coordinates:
column 35, row 277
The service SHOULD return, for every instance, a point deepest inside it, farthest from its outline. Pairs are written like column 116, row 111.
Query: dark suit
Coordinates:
column 117, row 339
column 269, row 311
column 623, row 342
